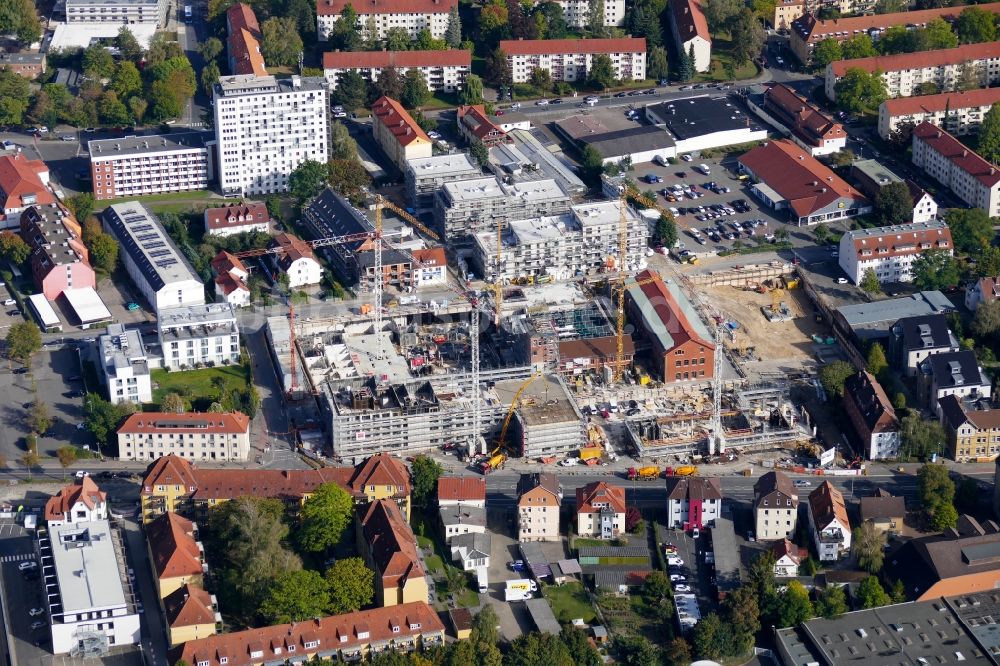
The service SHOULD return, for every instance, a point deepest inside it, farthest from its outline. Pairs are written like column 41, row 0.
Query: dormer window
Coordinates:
column 395, row 628
column 362, row 635
column 414, row 626
column 311, row 644
column 223, row 660
column 291, row 648
column 202, row 663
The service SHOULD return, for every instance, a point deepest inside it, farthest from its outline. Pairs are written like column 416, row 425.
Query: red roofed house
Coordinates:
column 175, row 554
column 788, row 178
column 231, row 279
column 828, row 522
column 191, row 614
column 245, row 56
column 23, row 183
column 809, row 127
column 891, row 251
column 411, row 15
column 59, row 259
column 430, row 267
column 680, row 339
column 297, row 260
column 983, row 290
column 390, row 549
column 475, row 125
column 957, row 113
column 237, row 218
column 786, row 559
column 149, row 435
column 79, row 502
column 690, row 29
column 467, row 490
column 600, row 510
column 571, row 59
column 948, row 161
column 398, row 133
column 442, row 70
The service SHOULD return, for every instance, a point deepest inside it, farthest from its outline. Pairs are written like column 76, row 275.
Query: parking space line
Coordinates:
column 19, row 557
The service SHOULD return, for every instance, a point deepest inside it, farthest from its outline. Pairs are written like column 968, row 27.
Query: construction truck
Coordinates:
column 590, row 453
column 494, row 462
column 650, row 473
column 685, row 470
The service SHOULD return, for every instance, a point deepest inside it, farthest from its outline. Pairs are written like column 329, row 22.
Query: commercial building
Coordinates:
column 891, row 251
column 785, row 177
column 953, row 373
column 693, row 502
column 983, row 290
column 475, row 125
column 23, row 183
column 691, row 35
column 297, row 261
column 265, row 127
column 461, row 490
column 125, row 365
column 871, row 177
column 872, row 416
column 948, row 161
column 469, row 206
column 703, row 122
column 231, row 280
column 806, row 125
column 957, row 113
column 59, row 259
column 973, row 432
column 572, row 59
column 829, row 526
column 222, row 436
column 91, row 603
column 120, row 12
column 577, row 12
column 397, row 133
column 45, row 316
column 575, row 244
column 24, row 63
column 176, row 556
column 600, row 510
column 443, row 71
column 775, row 507
column 349, row 637
column 79, row 502
column 412, row 15
column 159, row 270
column 243, row 42
column 682, row 344
column 136, row 166
column 912, row 339
column 539, row 496
column 884, row 511
column 425, row 176
column 199, row 335
column 905, row 73
column 237, row 218
column 390, row 549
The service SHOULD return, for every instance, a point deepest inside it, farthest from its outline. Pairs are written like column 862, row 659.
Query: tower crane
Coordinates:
column 497, row 457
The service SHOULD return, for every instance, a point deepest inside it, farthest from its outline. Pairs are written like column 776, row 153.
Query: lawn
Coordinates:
column 172, row 201
column 569, row 602
column 721, row 58
column 468, row 599
column 580, row 542
column 199, row 386
column 434, row 564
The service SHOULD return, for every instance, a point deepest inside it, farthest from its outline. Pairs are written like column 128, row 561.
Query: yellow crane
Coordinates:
column 382, row 202
column 497, row 457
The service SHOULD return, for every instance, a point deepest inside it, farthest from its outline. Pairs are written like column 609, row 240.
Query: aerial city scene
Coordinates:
column 499, row 332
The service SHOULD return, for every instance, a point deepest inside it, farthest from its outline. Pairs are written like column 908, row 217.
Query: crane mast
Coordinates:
column 477, row 409
column 377, row 290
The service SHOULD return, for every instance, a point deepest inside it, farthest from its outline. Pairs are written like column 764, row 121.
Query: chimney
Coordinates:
column 965, row 153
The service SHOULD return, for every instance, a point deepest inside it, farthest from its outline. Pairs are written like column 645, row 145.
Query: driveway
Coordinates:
column 514, row 619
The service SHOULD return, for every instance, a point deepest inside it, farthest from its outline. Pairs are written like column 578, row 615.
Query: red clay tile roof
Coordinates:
column 228, row 284
column 339, row 632
column 294, row 248
column 600, row 349
column 187, row 606
column 169, row 471
column 244, row 41
column 694, row 488
column 20, row 177
column 813, row 30
column 901, row 240
column 433, row 256
column 600, row 492
column 380, row 469
column 461, row 488
column 905, row 106
column 669, row 311
column 63, row 501
column 805, row 120
column 689, row 17
column 402, row 125
column 224, row 263
column 957, row 153
column 207, row 422
column 827, row 504
column 785, row 547
column 989, row 288
column 919, row 60
column 801, row 179
column 557, row 46
column 398, row 59
column 391, row 543
column 363, row 7
column 175, row 550
column 237, row 215
column 478, row 122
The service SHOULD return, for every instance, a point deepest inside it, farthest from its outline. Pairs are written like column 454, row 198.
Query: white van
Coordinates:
column 661, row 160
column 704, row 169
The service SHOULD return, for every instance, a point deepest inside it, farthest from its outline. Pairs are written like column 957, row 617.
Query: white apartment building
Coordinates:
column 693, row 502
column 567, row 246
column 265, row 127
column 297, row 261
column 140, row 165
column 890, row 251
column 158, row 269
column 539, row 498
column 468, row 206
column 442, row 70
column 91, row 604
column 904, row 73
column 413, row 15
column 122, row 12
column 79, row 502
column 948, row 161
column 571, row 59
column 125, row 366
column 577, row 12
column 237, row 218
column 198, row 335
column 957, row 113
column 424, row 176
column 775, row 507
column 221, row 436
column 690, row 30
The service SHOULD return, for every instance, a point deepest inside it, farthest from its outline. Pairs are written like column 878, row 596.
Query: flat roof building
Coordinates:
column 872, row 177
column 121, row 12
column 196, row 335
column 125, row 365
column 468, row 206
column 136, row 166
column 703, row 122
column 443, row 71
column 872, row 320
column 424, row 176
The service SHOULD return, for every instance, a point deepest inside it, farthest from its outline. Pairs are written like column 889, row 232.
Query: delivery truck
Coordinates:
column 523, row 584
column 516, row 595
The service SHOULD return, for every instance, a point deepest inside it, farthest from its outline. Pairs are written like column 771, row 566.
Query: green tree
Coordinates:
column 343, row 145
column 986, row 321
column 349, row 178
column 162, row 48
column 870, row 593
column 13, row 249
column 425, row 473
column 711, row 637
column 858, row 46
column 39, row 417
column 859, row 91
column 308, row 179
column 943, row 517
column 970, row 76
column 987, row 263
column 81, row 205
column 102, row 418
column 641, row 20
column 659, row 67
column 666, row 231
column 479, row 153
column 112, row 111
column 831, row 603
column 876, row 363
column 868, row 546
column 636, row 650
column 827, row 51
column 833, row 375
column 472, row 93
column 685, row 65
column 415, row 91
column 741, row 611
column 485, row 627
column 23, row 341
column 389, row 84
column 794, row 606
column 19, row 18
column 280, row 43
column 324, row 517
column 937, row 34
column 103, row 252
column 30, row 459
column 540, row 78
column 98, row 62
column 971, row 228
column 751, row 37
column 126, row 80
column 677, row 653
column 656, row 589
column 498, row 69
column 934, row 485
column 453, row 34
column 352, row 91
column 595, row 19
column 989, row 137
column 210, row 49
column 209, row 77
column 294, row 596
column 66, row 456
column 975, row 25
column 537, row 649
column 351, row 584
column 581, row 652
column 894, row 205
column 602, row 72
column 172, row 403
column 919, row 438
column 721, row 14
column 555, row 19
column 935, row 269
column 14, row 97
column 137, row 106
column 869, row 282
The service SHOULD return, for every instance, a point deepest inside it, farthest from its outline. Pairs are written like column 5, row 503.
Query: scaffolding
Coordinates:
column 89, row 643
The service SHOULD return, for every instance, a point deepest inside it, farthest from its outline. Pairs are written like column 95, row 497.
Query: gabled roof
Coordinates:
column 429, row 257
column 827, row 505
column 188, row 606
column 237, row 215
column 973, row 548
column 906, row 106
column 21, row 179
column 397, row 59
column 391, row 543
column 334, row 7
column 398, row 121
column 169, row 470
column 989, row 287
column 785, row 548
column 62, row 502
column 882, row 506
column 919, row 59
column 924, row 332
column 811, row 29
column 380, row 469
column 775, row 486
column 694, row 488
column 478, row 122
column 512, row 47
column 461, row 489
column 245, row 55
column 173, row 546
column 195, row 422
column 871, row 402
column 600, row 493
column 955, row 369
column 956, row 152
column 806, row 121
column 539, row 484
column 689, row 17
column 294, row 248
column 668, row 311
column 225, row 263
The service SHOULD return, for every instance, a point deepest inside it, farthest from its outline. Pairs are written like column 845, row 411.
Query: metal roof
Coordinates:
column 543, row 617
column 145, row 240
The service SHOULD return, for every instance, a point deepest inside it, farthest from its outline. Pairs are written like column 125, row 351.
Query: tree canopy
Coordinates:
column 425, row 472
column 324, row 517
column 352, row 585
column 971, row 228
column 24, row 340
column 294, row 596
column 859, row 91
column 894, row 205
column 935, row 269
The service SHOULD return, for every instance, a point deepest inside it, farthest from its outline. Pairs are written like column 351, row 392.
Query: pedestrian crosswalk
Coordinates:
column 19, row 557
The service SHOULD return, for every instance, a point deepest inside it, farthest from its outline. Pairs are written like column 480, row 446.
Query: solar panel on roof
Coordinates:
column 154, row 245
column 159, row 253
column 163, row 263
column 148, row 237
column 143, row 227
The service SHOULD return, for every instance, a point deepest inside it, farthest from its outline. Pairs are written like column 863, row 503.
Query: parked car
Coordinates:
column 682, row 588
column 132, row 307
column 35, row 612
column 516, row 565
column 67, row 137
column 677, row 578
column 802, row 483
column 38, row 624
column 542, row 102
column 675, row 561
column 20, row 371
column 841, row 280
column 26, row 565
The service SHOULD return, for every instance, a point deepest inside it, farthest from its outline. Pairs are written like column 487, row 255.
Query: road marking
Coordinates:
column 20, row 557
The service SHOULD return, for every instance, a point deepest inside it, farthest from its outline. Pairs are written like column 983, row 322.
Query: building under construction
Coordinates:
column 546, row 421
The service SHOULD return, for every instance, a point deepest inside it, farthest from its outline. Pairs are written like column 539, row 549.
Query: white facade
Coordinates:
column 831, row 536
column 467, row 206
column 303, row 272
column 122, row 12
column 890, row 251
column 192, row 436
column 473, row 551
column 139, row 166
column 462, row 519
column 702, row 52
column 125, row 366
column 577, row 12
column 925, row 209
column 265, row 128
column 198, row 335
column 786, row 567
column 573, row 60
column 679, row 511
column 957, row 113
column 971, row 178
column 438, row 68
column 434, row 18
column 602, row 524
column 776, row 522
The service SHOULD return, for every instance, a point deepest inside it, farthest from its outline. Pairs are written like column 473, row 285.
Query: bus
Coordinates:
column 187, row 13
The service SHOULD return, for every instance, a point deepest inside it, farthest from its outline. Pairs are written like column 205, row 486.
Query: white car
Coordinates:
column 675, row 562
column 841, row 280
column 339, row 114
column 25, row 566
column 569, row 462
column 687, row 158
column 677, row 578
column 35, row 612
column 542, row 102
column 682, row 588
column 434, row 135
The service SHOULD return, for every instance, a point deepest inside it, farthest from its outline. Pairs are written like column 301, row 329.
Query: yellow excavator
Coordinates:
column 497, row 457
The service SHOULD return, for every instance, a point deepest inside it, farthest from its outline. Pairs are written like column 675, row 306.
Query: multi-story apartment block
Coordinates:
column 957, row 113
column 125, row 365
column 265, row 127
column 243, row 43
column 475, row 124
column 807, row 126
column 190, row 614
column 412, row 15
column 912, row 339
column 237, row 218
column 196, row 335
column 23, row 183
column 571, row 59
column 79, row 502
column 223, row 436
column 775, row 507
column 425, row 176
column 693, row 502
column 786, row 11
column 391, row 551
column 871, row 177
column 973, row 434
column 828, row 523
column 903, row 74
column 398, row 133
column 177, row 557
column 539, row 498
column 577, row 12
column 691, row 35
column 953, row 373
column 117, row 11
column 563, row 246
column 467, row 206
column 159, row 270
column 600, row 510
column 808, row 31
column 59, row 259
column 26, row 64
column 890, row 251
column 140, row 165
column 948, row 161
column 872, row 416
column 443, row 71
